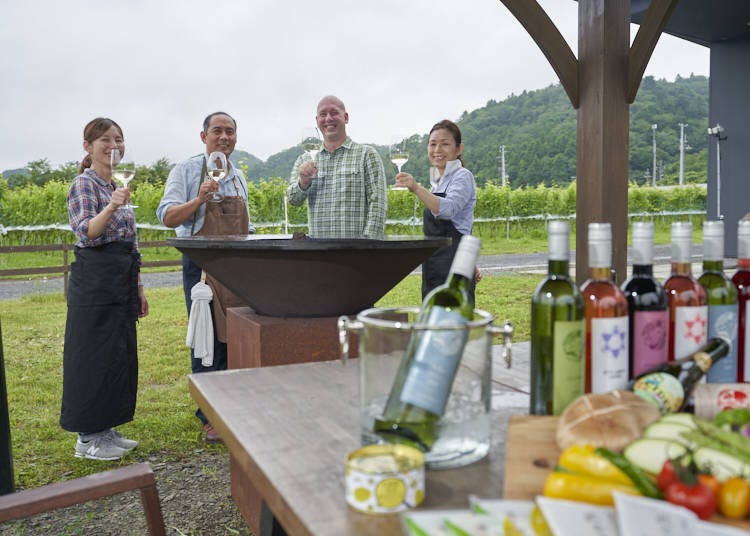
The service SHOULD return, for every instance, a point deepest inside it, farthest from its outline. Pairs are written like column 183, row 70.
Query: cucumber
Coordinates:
column 667, row 430
column 685, row 419
column 720, row 464
column 650, row 453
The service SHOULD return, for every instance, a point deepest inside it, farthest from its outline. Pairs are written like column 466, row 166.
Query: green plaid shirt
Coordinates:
column 349, row 197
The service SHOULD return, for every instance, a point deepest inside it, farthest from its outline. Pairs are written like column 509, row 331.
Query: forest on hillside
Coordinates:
column 537, row 129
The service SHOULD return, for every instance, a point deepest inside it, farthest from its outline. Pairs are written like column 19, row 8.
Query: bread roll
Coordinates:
column 609, row 420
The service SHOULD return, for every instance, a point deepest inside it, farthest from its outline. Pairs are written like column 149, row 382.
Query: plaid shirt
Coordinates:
column 87, row 197
column 349, row 197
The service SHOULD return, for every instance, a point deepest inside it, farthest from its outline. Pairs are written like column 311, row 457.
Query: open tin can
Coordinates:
column 384, row 479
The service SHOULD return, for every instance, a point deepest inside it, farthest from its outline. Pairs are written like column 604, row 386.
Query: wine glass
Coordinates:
column 216, row 169
column 399, row 156
column 311, row 143
column 123, row 170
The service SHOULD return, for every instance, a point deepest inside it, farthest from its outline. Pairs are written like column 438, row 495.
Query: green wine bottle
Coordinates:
column 558, row 328
column 722, row 301
column 423, row 381
column 669, row 386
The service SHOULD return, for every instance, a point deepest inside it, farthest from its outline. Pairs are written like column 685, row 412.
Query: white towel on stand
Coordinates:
column 200, row 332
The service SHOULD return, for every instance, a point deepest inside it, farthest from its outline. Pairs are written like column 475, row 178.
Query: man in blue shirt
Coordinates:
column 188, row 206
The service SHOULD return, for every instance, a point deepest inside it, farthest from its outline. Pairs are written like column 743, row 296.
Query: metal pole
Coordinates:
column 6, row 454
column 503, row 175
column 286, row 216
column 718, row 178
column 717, row 131
column 653, row 169
column 682, row 153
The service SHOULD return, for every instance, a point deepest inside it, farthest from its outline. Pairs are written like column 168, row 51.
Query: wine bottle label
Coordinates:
column 722, row 322
column 436, row 359
column 690, row 329
column 747, row 341
column 569, row 365
column 609, row 353
column 650, row 329
column 661, row 389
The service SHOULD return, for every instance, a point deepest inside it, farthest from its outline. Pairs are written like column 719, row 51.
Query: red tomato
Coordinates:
column 699, row 498
column 666, row 476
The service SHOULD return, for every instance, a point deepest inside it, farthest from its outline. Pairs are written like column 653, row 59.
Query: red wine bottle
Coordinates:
column 741, row 280
column 647, row 305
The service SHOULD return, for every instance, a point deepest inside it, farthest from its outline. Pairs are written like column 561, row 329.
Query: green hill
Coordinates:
column 538, row 130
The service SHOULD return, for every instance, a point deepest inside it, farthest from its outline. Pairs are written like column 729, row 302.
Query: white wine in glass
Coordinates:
column 399, row 156
column 123, row 170
column 311, row 143
column 216, row 169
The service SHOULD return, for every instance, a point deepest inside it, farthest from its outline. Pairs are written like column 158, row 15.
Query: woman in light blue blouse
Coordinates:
column 449, row 203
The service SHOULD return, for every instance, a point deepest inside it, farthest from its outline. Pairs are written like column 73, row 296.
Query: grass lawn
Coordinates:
column 32, row 334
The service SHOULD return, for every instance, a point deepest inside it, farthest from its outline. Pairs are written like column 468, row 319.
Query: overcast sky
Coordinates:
column 158, row 67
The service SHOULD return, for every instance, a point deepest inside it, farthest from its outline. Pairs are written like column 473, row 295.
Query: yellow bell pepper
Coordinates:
column 584, row 488
column 582, row 459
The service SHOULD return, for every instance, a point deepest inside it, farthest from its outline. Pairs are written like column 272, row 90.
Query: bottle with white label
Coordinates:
column 647, row 305
column 741, row 280
column 424, row 378
column 722, row 301
column 688, row 304
column 607, row 322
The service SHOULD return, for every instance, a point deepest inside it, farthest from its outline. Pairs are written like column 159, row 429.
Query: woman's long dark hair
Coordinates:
column 93, row 131
column 451, row 127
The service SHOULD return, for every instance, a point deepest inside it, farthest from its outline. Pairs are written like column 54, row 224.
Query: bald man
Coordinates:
column 345, row 185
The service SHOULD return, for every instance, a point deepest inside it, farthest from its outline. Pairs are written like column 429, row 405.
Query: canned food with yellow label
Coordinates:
column 384, row 479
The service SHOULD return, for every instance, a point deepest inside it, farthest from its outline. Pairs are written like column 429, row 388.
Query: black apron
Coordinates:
column 100, row 356
column 436, row 268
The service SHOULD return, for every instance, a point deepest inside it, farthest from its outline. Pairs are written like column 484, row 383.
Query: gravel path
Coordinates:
column 195, row 501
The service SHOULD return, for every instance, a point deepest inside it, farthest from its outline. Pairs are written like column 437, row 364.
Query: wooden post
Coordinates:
column 600, row 83
column 603, row 116
column 6, row 457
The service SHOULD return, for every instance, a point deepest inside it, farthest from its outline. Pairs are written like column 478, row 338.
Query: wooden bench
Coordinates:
column 99, row 485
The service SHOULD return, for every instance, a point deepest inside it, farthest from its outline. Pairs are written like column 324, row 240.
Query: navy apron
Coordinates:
column 100, row 356
column 436, row 268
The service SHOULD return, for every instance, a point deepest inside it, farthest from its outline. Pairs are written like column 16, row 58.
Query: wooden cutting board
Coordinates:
column 531, row 452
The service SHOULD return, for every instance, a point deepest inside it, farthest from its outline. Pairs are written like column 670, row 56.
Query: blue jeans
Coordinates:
column 191, row 274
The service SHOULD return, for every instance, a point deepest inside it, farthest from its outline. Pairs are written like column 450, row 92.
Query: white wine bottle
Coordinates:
column 424, row 379
column 558, row 329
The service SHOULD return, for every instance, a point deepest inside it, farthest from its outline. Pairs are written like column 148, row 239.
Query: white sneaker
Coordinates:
column 99, row 448
column 121, row 441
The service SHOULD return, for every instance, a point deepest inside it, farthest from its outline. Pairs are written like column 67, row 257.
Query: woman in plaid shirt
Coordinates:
column 105, row 299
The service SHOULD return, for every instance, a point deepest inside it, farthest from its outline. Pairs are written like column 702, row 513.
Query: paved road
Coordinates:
column 535, row 263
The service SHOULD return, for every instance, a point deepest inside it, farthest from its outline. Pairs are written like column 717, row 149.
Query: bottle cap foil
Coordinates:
column 682, row 241
column 600, row 245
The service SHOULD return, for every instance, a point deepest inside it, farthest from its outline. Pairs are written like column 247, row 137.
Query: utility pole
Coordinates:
column 503, row 176
column 682, row 153
column 653, row 169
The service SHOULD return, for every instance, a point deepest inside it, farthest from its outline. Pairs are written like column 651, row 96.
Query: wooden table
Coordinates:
column 290, row 428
